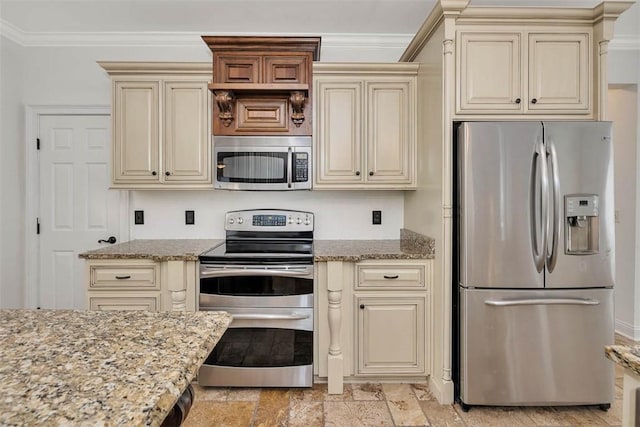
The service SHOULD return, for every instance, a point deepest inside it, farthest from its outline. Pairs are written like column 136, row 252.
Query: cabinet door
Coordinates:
column 136, row 112
column 559, row 73
column 338, row 135
column 186, row 133
column 489, row 73
column 390, row 137
column 391, row 335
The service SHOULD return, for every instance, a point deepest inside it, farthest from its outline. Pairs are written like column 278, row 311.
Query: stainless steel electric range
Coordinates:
column 263, row 275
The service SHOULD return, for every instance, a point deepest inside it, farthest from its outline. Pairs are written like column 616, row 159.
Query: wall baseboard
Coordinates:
column 627, row 330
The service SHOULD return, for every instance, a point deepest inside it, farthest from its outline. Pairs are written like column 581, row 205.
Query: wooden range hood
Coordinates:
column 262, row 85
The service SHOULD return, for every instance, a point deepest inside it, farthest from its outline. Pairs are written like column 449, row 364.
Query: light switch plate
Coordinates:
column 376, row 217
column 138, row 217
column 189, row 217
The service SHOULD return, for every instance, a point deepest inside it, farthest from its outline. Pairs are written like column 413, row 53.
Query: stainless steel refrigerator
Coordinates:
column 535, row 263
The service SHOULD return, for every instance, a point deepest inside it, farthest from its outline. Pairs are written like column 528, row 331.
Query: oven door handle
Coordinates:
column 292, row 316
column 301, row 272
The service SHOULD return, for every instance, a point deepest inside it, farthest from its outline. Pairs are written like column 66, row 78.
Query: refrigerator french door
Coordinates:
column 535, row 263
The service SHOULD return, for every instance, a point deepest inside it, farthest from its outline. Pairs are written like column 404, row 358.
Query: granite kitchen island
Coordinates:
column 67, row 367
column 627, row 357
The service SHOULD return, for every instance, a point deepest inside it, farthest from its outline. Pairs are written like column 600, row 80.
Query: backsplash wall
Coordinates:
column 338, row 214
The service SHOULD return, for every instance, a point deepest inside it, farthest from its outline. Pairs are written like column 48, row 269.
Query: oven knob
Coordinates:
column 307, row 221
column 231, row 221
column 298, row 221
column 290, row 220
column 240, row 220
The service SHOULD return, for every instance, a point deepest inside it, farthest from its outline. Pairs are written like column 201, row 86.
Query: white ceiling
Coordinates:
column 242, row 16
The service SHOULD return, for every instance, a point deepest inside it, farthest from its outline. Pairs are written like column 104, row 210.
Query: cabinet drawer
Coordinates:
column 237, row 69
column 129, row 276
column 390, row 277
column 286, row 69
column 106, row 303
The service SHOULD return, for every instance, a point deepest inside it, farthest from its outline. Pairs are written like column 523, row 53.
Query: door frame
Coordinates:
column 33, row 114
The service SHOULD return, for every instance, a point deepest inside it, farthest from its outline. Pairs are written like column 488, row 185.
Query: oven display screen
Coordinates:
column 269, row 220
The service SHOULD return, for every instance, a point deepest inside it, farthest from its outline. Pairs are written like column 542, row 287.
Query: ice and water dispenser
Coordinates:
column 581, row 224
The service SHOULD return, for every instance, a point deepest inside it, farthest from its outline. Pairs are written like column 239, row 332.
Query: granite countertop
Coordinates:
column 67, row 367
column 155, row 249
column 625, row 356
column 411, row 245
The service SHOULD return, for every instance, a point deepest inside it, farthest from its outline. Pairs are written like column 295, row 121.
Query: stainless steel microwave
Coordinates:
column 262, row 162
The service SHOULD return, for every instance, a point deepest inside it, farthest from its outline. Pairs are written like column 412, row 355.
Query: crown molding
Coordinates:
column 191, row 39
column 625, row 42
column 194, row 39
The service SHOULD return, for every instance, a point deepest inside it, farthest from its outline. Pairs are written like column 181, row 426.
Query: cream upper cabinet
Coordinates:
column 161, row 133
column 136, row 137
column 559, row 73
column 490, row 72
column 523, row 72
column 339, row 121
column 365, row 126
column 186, row 134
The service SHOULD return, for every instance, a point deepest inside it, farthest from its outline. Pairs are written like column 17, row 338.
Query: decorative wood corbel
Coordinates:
column 225, row 99
column 297, row 99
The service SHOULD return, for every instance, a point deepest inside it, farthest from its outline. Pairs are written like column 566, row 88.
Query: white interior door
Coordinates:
column 76, row 208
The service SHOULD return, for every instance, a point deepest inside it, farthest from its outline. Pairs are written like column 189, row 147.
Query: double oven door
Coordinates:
column 270, row 340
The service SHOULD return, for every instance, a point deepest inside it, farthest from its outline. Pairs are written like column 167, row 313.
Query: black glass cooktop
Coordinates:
column 261, row 251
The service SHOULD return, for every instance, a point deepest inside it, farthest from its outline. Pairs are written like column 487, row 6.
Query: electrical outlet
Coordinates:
column 138, row 217
column 189, row 217
column 376, row 217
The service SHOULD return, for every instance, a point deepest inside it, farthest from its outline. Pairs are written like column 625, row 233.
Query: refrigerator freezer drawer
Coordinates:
column 521, row 347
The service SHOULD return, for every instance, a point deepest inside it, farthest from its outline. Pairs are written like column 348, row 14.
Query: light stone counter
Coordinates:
column 625, row 356
column 66, row 367
column 411, row 245
column 155, row 249
column 628, row 357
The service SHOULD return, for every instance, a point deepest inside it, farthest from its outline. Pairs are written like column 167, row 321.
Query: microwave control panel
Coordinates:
column 300, row 167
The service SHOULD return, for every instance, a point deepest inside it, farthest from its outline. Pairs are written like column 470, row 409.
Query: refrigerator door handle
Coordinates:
column 539, row 248
column 542, row 301
column 552, row 256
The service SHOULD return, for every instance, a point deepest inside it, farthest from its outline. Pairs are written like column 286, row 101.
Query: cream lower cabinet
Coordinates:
column 391, row 335
column 364, row 126
column 390, row 302
column 537, row 71
column 141, row 284
column 161, row 133
column 373, row 320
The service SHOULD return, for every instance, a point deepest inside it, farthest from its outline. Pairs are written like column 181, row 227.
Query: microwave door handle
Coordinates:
column 289, row 166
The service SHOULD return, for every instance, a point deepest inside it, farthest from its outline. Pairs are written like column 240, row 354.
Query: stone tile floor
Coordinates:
column 374, row 404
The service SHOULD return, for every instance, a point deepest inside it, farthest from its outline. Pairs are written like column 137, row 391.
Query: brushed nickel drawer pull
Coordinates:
column 390, row 277
column 123, row 277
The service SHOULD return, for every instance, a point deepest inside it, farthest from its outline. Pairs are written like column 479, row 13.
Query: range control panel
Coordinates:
column 268, row 220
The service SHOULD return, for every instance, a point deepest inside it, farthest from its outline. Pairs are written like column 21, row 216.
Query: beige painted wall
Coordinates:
column 623, row 111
